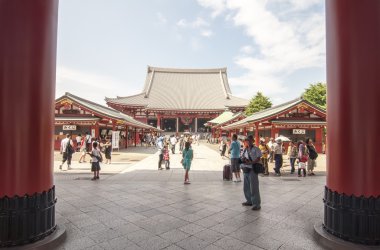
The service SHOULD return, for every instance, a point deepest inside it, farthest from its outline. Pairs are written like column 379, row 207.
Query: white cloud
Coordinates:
column 206, row 33
column 87, row 84
column 247, row 49
column 218, row 6
column 161, row 18
column 197, row 23
column 282, row 45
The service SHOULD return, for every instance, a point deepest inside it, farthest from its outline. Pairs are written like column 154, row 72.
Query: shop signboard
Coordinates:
column 69, row 127
column 299, row 131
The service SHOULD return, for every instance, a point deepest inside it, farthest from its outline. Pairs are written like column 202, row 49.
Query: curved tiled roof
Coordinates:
column 269, row 112
column 183, row 89
column 105, row 111
column 226, row 116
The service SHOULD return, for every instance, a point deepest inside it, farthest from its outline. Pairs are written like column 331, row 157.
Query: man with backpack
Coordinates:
column 313, row 155
column 67, row 150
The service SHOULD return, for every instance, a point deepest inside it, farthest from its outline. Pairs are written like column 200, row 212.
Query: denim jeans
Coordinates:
column 292, row 162
column 251, row 188
column 278, row 162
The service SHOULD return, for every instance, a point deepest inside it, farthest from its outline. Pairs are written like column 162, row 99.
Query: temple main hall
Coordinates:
column 180, row 100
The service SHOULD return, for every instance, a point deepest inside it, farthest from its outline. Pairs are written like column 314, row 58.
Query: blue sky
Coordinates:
column 273, row 46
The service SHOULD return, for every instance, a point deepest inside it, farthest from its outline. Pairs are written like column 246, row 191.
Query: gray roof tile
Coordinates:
column 184, row 89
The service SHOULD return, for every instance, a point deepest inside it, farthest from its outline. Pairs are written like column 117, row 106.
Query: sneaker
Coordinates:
column 278, row 174
column 256, row 208
column 239, row 180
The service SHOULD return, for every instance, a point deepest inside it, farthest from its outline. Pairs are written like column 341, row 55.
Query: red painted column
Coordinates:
column 257, row 139
column 27, row 88
column 353, row 123
column 318, row 139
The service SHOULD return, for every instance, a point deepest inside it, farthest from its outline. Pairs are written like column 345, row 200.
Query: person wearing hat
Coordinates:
column 250, row 156
column 265, row 153
column 278, row 156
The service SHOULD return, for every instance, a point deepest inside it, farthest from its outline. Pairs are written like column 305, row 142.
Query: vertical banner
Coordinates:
column 115, row 139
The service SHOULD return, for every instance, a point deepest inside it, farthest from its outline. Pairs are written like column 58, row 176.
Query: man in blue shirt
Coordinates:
column 234, row 152
column 251, row 155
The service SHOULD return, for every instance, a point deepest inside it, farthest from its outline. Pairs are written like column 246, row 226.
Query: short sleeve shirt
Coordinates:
column 252, row 153
column 235, row 149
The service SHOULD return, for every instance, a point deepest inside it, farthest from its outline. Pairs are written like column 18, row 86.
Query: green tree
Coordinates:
column 316, row 94
column 257, row 103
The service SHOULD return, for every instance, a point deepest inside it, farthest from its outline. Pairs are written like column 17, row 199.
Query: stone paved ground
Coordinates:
column 143, row 208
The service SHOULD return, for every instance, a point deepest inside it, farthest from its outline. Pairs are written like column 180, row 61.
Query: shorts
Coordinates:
column 235, row 166
column 311, row 164
column 95, row 166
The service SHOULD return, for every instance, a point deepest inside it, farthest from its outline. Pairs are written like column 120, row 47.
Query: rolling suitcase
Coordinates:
column 227, row 174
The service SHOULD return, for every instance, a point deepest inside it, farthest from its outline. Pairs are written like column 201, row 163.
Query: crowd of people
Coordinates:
column 86, row 145
column 246, row 156
column 301, row 154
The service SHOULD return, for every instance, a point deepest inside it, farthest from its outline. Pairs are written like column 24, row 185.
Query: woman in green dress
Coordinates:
column 187, row 157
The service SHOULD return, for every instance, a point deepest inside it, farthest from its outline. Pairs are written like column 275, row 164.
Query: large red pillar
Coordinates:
column 257, row 139
column 352, row 194
column 27, row 87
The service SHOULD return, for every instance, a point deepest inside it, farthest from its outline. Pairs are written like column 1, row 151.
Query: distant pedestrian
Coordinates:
column 181, row 143
column 251, row 155
column 67, row 150
column 265, row 154
column 292, row 153
column 311, row 162
column 234, row 152
column 78, row 141
column 187, row 157
column 160, row 147
column 302, row 158
column 173, row 142
column 223, row 148
column 88, row 142
column 107, row 150
column 166, row 157
column 278, row 151
column 271, row 150
column 83, row 150
column 95, row 161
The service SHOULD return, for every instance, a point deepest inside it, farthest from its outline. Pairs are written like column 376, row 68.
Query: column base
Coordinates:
column 351, row 218
column 27, row 219
column 329, row 241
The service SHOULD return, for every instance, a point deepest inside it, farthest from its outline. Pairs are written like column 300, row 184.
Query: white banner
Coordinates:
column 115, row 139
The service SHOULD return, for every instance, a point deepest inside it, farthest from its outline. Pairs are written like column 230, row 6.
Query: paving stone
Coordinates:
column 230, row 243
column 267, row 242
column 79, row 243
column 192, row 229
column 192, row 243
column 209, row 235
column 143, row 208
column 244, row 235
column 174, row 235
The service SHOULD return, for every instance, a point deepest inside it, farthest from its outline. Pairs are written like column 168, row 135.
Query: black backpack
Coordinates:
column 69, row 149
column 312, row 153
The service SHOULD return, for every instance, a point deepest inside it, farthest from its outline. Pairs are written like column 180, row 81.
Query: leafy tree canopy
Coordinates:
column 258, row 103
column 316, row 94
